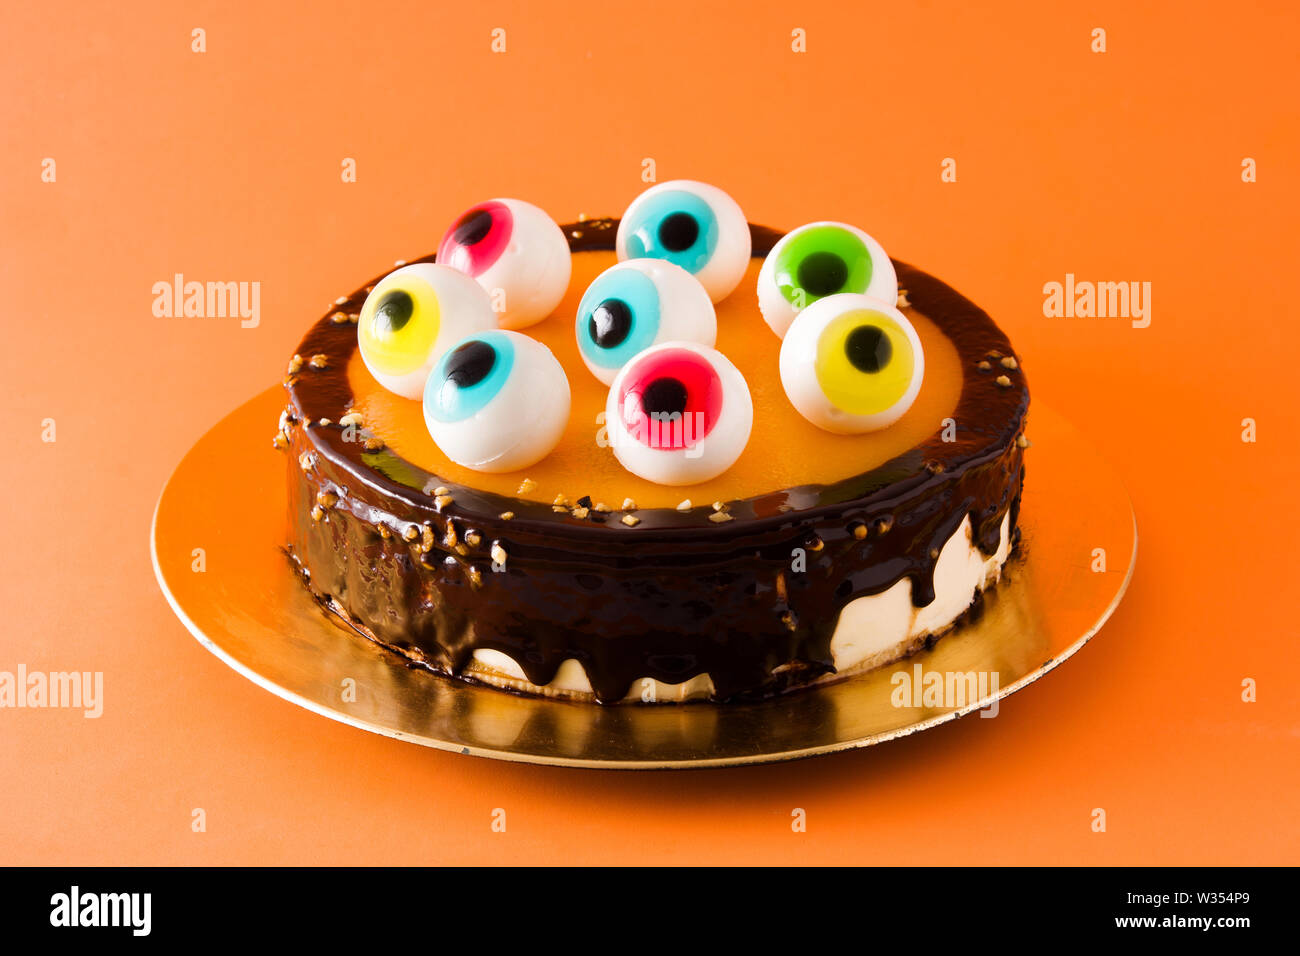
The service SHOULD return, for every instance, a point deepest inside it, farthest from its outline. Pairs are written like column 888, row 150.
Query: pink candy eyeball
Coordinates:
column 679, row 413
column 517, row 253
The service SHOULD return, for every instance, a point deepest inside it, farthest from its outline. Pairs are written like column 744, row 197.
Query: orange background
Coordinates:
column 226, row 165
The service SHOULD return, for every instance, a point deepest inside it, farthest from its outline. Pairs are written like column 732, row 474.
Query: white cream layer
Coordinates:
column 871, row 631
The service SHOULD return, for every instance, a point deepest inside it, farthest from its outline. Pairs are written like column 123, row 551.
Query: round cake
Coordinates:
column 814, row 556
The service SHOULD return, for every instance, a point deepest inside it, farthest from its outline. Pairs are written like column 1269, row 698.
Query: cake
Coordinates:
column 816, row 555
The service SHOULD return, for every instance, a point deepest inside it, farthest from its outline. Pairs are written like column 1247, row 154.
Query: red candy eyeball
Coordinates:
column 516, row 252
column 479, row 237
column 679, row 413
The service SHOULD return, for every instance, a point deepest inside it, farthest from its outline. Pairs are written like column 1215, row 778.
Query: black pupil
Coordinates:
column 610, row 323
column 470, row 363
column 822, row 273
column 393, row 311
column 679, row 231
column 473, row 226
column 868, row 348
column 664, row 396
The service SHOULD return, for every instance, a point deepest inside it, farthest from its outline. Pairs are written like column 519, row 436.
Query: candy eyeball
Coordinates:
column 515, row 251
column 410, row 318
column 636, row 304
column 679, row 413
column 817, row 260
column 692, row 225
column 497, row 401
column 851, row 363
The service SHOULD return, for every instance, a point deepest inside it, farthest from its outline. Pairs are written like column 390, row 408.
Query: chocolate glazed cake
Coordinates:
column 671, row 604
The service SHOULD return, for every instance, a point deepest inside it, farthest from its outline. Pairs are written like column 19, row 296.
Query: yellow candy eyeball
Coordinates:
column 851, row 363
column 515, row 251
column 412, row 316
column 817, row 260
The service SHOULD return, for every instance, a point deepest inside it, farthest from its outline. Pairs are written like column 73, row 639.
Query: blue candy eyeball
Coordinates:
column 692, row 225
column 636, row 304
column 497, row 401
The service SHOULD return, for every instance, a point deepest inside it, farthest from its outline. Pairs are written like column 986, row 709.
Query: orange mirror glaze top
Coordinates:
column 784, row 449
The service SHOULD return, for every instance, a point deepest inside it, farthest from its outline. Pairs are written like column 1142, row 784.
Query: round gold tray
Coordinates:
column 248, row 607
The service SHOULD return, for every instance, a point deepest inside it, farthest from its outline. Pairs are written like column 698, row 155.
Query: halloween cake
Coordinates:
column 668, row 457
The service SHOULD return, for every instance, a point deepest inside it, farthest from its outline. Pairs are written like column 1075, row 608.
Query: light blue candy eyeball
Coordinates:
column 636, row 304
column 690, row 224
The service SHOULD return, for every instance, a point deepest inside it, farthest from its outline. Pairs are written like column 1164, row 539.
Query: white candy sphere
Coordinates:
column 516, row 252
column 497, row 401
column 693, row 225
column 410, row 318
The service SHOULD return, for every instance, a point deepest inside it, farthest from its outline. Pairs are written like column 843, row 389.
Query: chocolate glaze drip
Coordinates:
column 678, row 595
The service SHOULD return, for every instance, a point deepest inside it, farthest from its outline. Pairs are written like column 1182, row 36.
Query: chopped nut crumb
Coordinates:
column 718, row 517
column 279, row 442
column 319, row 360
column 1010, row 362
column 305, row 461
column 631, row 520
column 814, row 543
column 449, row 538
column 628, row 505
column 411, row 532
column 994, row 354
column 373, row 444
column 601, row 507
column 903, row 302
column 355, row 317
column 341, row 300
column 526, row 486
column 498, row 554
column 559, row 509
column 384, row 532
column 934, row 554
column 352, row 418
column 506, row 515
column 684, row 505
column 882, row 525
column 323, row 422
column 473, row 539
column 788, row 620
column 984, row 365
column 780, row 586
column 719, row 506
column 859, row 531
column 475, row 578
column 580, row 512
column 427, row 540
column 1022, row 441
column 338, row 318
column 295, row 364
column 442, row 501
column 1003, row 381
column 561, row 500
column 784, row 508
column 327, row 499
column 317, row 512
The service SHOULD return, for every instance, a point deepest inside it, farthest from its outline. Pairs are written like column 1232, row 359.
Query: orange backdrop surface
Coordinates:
column 226, row 164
